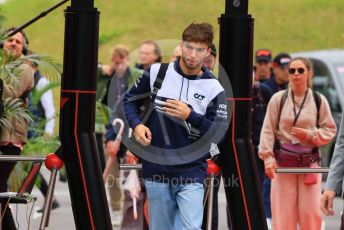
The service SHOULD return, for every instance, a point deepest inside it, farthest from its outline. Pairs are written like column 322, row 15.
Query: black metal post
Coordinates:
column 239, row 170
column 77, row 117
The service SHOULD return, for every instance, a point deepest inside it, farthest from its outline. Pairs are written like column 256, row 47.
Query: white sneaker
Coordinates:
column 116, row 218
column 268, row 222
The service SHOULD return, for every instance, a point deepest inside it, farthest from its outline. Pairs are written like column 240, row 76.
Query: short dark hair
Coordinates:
column 213, row 49
column 199, row 32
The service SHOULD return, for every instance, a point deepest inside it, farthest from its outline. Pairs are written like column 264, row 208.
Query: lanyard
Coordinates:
column 303, row 102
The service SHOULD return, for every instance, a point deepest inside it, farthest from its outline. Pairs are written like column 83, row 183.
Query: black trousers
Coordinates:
column 5, row 171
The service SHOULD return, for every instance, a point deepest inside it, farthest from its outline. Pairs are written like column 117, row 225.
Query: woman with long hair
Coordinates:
column 298, row 121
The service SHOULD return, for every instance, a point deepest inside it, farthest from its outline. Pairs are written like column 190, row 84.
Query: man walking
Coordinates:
column 189, row 107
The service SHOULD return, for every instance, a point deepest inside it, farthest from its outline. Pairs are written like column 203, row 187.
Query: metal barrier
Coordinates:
column 49, row 197
column 15, row 158
column 130, row 166
column 48, row 200
column 302, row 170
column 210, row 201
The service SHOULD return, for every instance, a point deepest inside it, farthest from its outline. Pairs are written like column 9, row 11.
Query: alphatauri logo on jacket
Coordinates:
column 198, row 97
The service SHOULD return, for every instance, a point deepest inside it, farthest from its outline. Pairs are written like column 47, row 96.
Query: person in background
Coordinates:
column 149, row 53
column 43, row 117
column 334, row 182
column 280, row 79
column 114, row 79
column 44, row 111
column 276, row 83
column 294, row 128
column 261, row 95
column 210, row 61
column 12, row 142
column 263, row 65
column 177, row 53
column 123, row 77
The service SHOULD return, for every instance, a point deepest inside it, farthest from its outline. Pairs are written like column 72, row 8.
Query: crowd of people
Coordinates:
column 290, row 122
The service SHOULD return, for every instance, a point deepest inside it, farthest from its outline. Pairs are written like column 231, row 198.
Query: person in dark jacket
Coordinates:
column 263, row 65
column 280, row 79
column 176, row 139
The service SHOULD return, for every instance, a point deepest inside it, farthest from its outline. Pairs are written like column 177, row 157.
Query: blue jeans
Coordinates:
column 175, row 207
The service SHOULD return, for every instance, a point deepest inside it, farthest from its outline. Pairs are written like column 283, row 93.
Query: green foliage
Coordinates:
column 298, row 25
column 102, row 113
column 10, row 70
column 41, row 145
column 46, row 65
column 38, row 93
column 13, row 109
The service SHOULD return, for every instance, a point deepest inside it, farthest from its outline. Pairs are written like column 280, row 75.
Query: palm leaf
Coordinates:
column 47, row 66
column 9, row 70
column 14, row 109
column 38, row 93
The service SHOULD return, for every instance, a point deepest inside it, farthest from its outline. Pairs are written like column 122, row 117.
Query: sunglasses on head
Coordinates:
column 299, row 70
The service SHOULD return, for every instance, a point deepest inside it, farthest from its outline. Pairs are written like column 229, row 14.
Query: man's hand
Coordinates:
column 107, row 70
column 112, row 147
column 327, row 202
column 143, row 135
column 177, row 109
column 299, row 133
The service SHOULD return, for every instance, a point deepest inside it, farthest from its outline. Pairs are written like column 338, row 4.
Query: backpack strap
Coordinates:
column 259, row 92
column 317, row 100
column 282, row 102
column 156, row 86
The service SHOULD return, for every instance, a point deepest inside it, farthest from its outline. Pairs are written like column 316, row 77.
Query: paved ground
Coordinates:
column 62, row 218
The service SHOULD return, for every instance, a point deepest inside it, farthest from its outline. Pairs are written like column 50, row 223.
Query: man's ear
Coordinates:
column 208, row 52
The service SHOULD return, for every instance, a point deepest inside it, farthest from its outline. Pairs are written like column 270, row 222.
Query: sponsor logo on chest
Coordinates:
column 198, row 97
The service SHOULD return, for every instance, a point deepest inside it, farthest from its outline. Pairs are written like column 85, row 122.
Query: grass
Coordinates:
column 293, row 25
column 279, row 25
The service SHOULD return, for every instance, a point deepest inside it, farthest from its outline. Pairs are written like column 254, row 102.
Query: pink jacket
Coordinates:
column 307, row 119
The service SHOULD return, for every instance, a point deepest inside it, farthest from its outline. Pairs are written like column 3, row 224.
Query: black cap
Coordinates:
column 282, row 59
column 263, row 55
column 213, row 49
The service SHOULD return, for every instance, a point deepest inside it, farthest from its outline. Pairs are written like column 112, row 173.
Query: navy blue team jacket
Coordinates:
column 208, row 120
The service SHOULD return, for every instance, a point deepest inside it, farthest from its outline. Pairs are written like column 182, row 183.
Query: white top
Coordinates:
column 48, row 105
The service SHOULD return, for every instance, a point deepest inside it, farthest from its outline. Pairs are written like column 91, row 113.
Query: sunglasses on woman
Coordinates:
column 299, row 70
